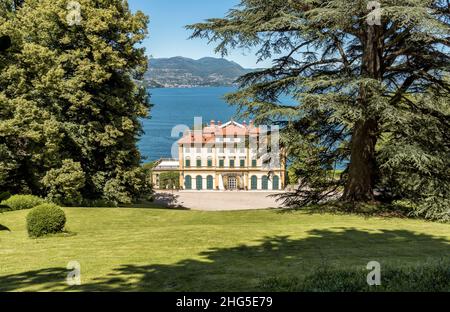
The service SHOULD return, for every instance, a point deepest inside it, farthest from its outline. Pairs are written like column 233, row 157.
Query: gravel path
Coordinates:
column 217, row 201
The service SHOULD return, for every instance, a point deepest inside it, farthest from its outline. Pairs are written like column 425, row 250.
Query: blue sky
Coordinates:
column 167, row 36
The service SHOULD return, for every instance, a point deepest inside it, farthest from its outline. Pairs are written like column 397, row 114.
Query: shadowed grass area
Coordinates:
column 174, row 250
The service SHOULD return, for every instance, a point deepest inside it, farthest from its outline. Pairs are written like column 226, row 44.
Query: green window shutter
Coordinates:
column 231, row 163
column 221, row 163
column 209, row 182
column 199, row 182
column 242, row 163
column 265, row 183
column 188, row 162
column 188, row 183
column 209, row 162
column 254, row 182
column 199, row 162
column 253, row 162
column 276, row 183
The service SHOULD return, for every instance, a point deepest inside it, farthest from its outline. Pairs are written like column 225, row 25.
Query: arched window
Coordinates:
column 254, row 182
column 209, row 182
column 199, row 182
column 276, row 183
column 188, row 183
column 265, row 182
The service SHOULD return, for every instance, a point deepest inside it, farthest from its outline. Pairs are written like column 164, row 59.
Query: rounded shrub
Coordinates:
column 19, row 202
column 45, row 219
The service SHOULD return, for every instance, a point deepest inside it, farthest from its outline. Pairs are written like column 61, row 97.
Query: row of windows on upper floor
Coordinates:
column 209, row 163
column 220, row 150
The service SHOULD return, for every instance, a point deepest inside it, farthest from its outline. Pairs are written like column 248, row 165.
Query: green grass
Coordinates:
column 179, row 250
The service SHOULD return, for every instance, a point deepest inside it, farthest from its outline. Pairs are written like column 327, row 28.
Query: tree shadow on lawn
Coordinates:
column 4, row 228
column 243, row 267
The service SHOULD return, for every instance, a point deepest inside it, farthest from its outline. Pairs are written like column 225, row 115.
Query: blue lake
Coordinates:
column 179, row 106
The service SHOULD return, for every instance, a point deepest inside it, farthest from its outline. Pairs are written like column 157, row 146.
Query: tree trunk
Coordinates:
column 362, row 168
column 360, row 183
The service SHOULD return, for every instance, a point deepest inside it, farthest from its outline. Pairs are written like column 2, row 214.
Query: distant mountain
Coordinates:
column 185, row 72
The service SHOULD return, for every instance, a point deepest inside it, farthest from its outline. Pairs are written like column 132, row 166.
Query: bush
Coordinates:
column 19, row 202
column 45, row 219
column 128, row 187
column 4, row 196
column 432, row 276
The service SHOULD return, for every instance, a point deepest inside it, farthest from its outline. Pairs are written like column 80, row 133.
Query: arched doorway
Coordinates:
column 232, row 183
column 254, row 183
column 188, row 183
column 276, row 183
column 209, row 182
column 199, row 182
column 265, row 182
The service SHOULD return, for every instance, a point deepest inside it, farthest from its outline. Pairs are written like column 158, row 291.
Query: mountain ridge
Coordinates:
column 179, row 71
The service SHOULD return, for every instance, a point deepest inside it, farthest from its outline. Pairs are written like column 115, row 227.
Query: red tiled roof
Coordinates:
column 210, row 132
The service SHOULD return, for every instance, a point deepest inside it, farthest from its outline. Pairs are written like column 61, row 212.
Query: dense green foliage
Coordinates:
column 415, row 159
column 426, row 277
column 65, row 183
column 19, row 202
column 169, row 180
column 70, row 101
column 45, row 219
column 358, row 84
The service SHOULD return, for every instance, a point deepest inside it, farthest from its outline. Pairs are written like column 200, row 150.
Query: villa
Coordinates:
column 230, row 156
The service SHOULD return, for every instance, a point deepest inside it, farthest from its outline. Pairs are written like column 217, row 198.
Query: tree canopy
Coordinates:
column 355, row 82
column 70, row 104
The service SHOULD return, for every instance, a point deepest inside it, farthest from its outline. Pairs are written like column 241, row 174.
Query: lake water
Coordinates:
column 179, row 106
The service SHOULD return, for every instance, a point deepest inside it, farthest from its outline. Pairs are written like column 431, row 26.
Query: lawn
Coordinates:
column 179, row 250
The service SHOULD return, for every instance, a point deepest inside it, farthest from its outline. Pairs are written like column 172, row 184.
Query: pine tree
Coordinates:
column 69, row 95
column 348, row 72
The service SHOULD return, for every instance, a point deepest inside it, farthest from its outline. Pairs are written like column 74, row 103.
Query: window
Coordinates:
column 209, row 150
column 199, row 162
column 276, row 183
column 187, row 149
column 254, row 163
column 221, row 150
column 199, row 182
column 188, row 183
column 265, row 183
column 231, row 163
column 188, row 162
column 210, row 162
column 254, row 182
column 209, row 182
column 199, row 150
column 221, row 163
column 242, row 162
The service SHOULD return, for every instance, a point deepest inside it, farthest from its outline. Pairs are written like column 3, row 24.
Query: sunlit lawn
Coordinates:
column 173, row 250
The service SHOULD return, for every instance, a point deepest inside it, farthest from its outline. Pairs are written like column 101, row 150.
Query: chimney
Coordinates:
column 212, row 123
